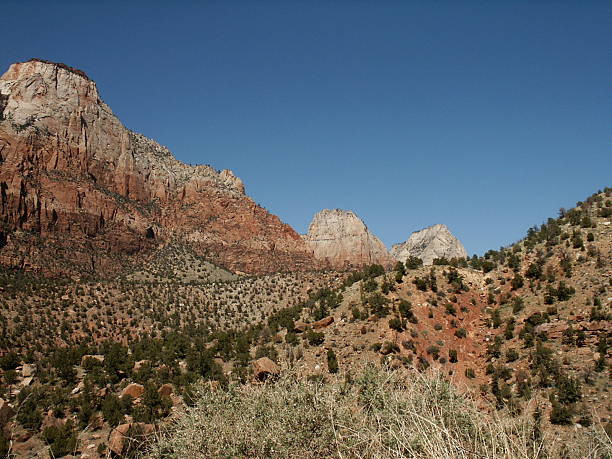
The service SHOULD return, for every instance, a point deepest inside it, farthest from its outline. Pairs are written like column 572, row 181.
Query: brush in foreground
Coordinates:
column 377, row 414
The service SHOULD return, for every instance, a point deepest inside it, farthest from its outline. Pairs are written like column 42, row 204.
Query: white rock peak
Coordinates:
column 432, row 242
column 340, row 238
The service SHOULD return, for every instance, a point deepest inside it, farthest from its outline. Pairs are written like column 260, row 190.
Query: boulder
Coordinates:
column 28, row 370
column 264, row 368
column 595, row 326
column 49, row 420
column 134, row 390
column 300, row 327
column 136, row 431
column 325, row 322
column 165, row 390
column 78, row 388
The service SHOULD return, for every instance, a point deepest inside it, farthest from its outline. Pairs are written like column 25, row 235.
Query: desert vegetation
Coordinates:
column 504, row 355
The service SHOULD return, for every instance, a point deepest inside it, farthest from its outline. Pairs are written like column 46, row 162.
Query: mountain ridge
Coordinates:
column 70, row 167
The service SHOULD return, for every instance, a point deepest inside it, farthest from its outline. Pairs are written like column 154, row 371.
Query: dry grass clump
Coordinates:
column 378, row 414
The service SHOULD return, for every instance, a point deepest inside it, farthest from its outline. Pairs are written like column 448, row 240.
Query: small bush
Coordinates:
column 315, row 338
column 461, row 333
column 332, row 361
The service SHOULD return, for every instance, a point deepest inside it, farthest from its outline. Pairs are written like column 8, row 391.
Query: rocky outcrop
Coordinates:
column 79, row 192
column 341, row 240
column 427, row 244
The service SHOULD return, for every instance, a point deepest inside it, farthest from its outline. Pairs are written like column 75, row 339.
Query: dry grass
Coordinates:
column 378, row 414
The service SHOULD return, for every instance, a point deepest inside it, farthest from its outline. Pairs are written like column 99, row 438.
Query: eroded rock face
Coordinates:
column 427, row 244
column 340, row 239
column 77, row 188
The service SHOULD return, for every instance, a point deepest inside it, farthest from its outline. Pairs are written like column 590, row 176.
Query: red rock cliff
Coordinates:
column 79, row 191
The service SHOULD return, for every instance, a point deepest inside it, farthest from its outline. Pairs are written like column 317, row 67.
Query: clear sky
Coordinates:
column 487, row 116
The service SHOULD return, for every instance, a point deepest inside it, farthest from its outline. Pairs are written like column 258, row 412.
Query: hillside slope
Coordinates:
column 533, row 319
column 522, row 334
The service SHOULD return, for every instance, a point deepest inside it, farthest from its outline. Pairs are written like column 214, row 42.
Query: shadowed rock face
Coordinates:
column 79, row 191
column 433, row 242
column 341, row 240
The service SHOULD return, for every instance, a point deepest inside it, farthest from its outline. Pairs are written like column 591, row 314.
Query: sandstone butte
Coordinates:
column 341, row 240
column 81, row 193
column 432, row 242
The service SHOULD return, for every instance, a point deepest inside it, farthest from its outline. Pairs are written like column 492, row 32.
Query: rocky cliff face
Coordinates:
column 79, row 190
column 433, row 242
column 341, row 240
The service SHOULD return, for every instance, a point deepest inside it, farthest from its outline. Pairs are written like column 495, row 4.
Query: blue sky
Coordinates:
column 486, row 116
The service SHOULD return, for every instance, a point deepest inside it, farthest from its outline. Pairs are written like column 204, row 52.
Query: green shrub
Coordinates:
column 561, row 414
column 10, row 361
column 511, row 355
column 332, row 361
column 396, row 324
column 434, row 351
column 461, row 333
column 61, row 440
column 315, row 338
column 413, row 262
